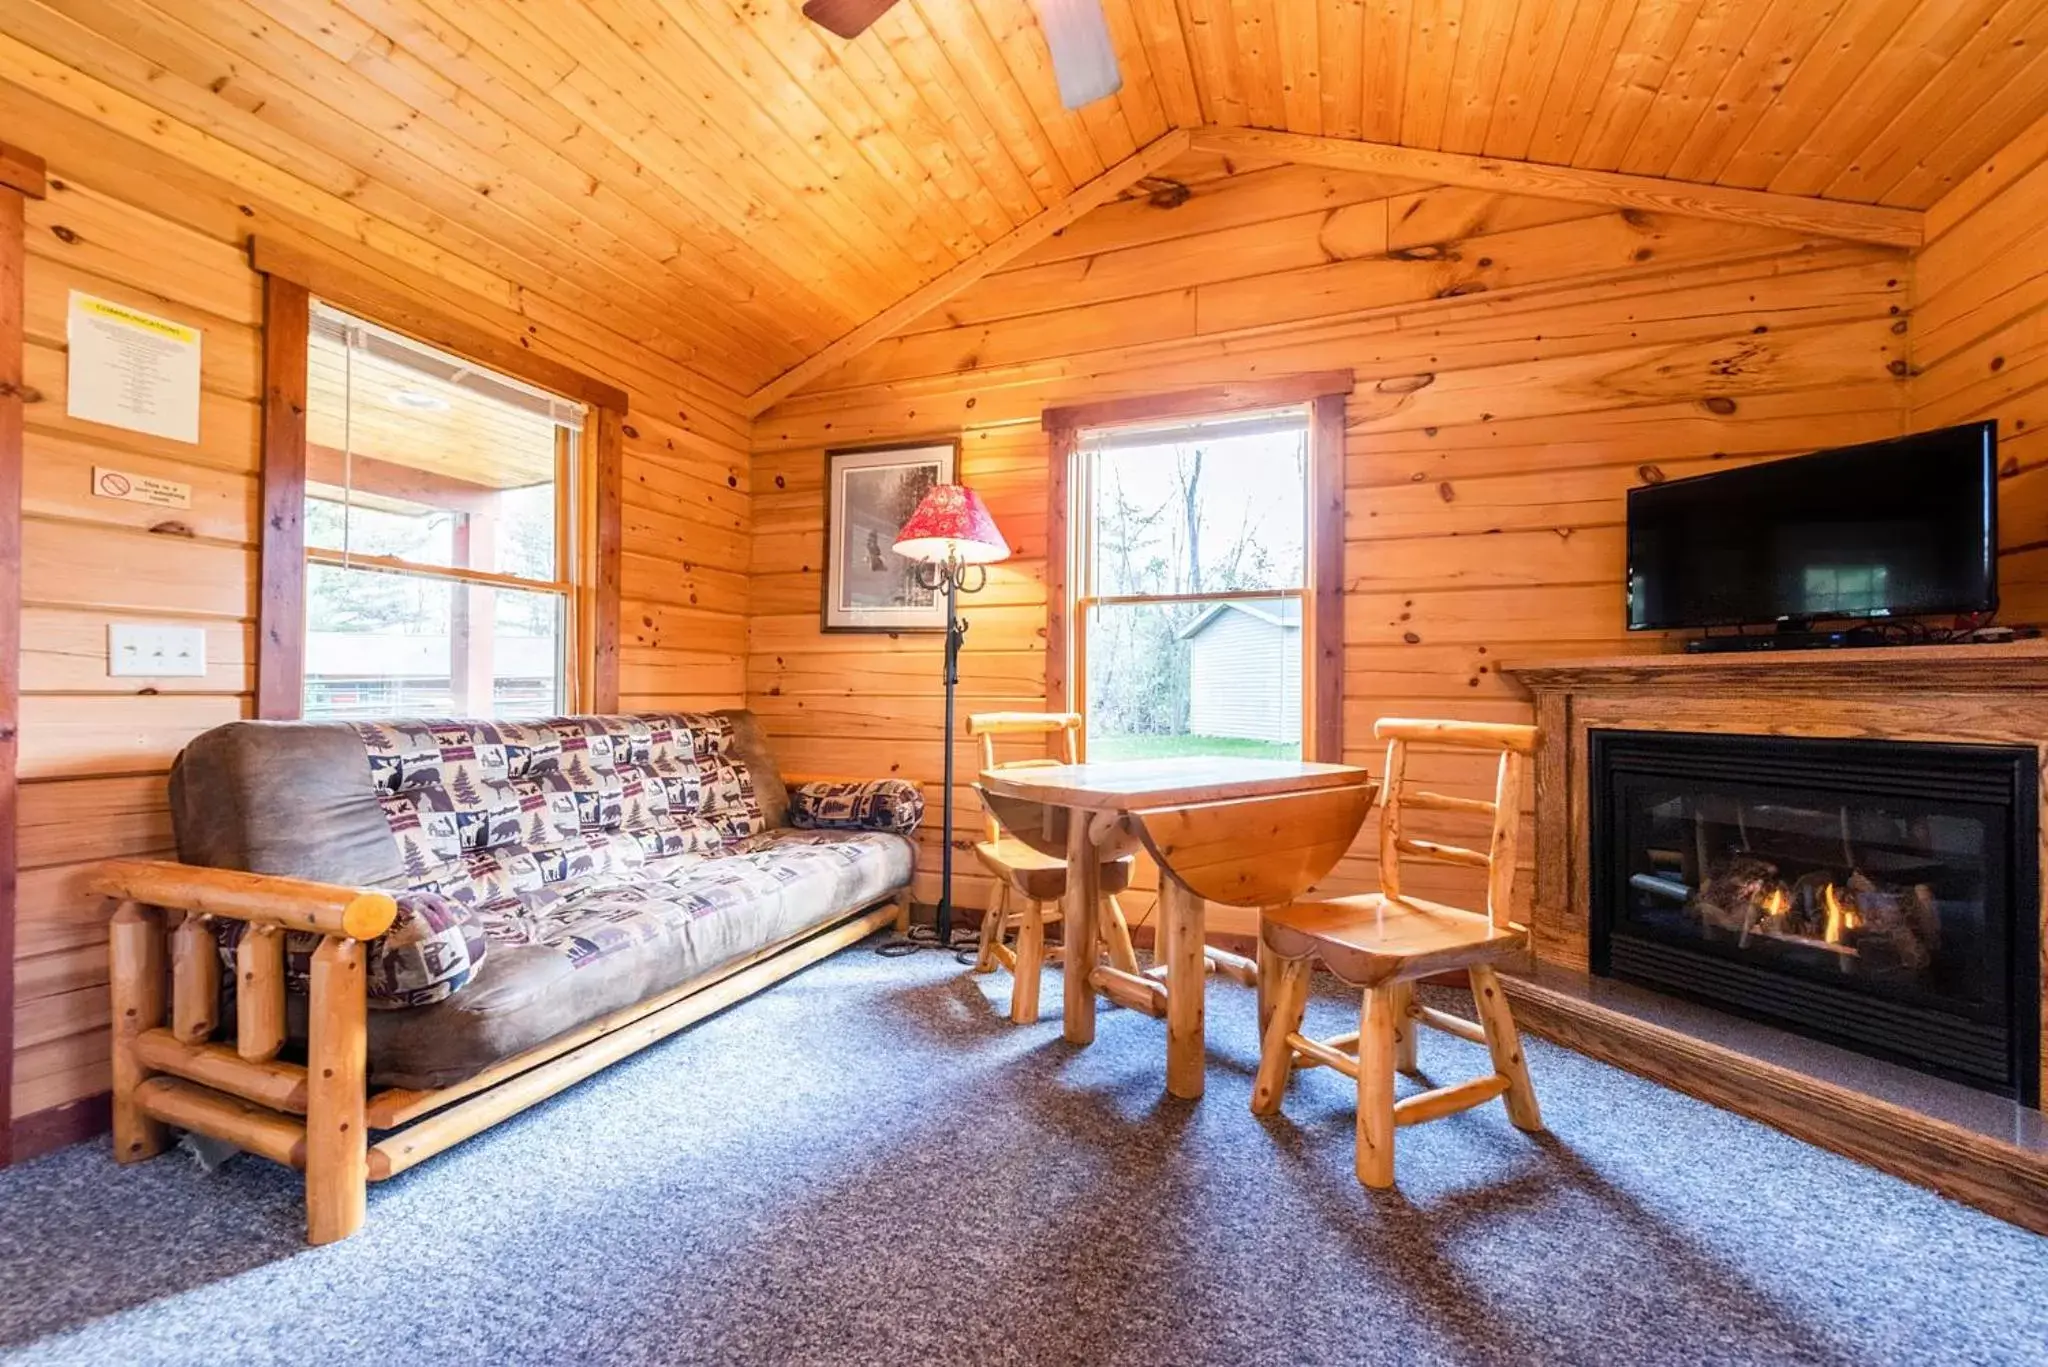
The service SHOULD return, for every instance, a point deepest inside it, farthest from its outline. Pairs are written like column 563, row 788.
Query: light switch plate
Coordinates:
column 147, row 650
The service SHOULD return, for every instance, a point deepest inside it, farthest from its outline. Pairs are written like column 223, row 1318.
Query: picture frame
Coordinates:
column 870, row 492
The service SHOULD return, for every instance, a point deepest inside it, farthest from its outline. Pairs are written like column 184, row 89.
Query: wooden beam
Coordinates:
column 389, row 307
column 23, row 172
column 281, row 601
column 610, row 479
column 1326, row 577
column 1872, row 223
column 1020, row 239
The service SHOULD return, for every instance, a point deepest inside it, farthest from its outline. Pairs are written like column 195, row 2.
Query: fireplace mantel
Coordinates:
column 1967, row 694
column 2004, row 667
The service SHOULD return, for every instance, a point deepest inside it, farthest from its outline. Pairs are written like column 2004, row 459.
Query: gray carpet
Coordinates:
column 868, row 1165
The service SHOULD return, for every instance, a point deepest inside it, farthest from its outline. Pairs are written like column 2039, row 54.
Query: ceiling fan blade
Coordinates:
column 1083, row 57
column 847, row 18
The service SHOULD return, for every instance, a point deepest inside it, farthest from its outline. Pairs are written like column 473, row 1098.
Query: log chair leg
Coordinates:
column 337, row 1050
column 1081, row 907
column 1116, row 935
column 992, row 929
column 903, row 915
column 1030, row 963
column 1276, row 1055
column 1267, row 981
column 1406, row 1027
column 136, row 947
column 1376, row 1087
column 1505, row 1044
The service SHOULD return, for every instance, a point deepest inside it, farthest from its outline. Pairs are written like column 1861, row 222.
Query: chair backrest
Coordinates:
column 989, row 725
column 1514, row 744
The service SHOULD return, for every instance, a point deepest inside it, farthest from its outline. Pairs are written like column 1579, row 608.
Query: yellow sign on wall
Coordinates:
column 132, row 369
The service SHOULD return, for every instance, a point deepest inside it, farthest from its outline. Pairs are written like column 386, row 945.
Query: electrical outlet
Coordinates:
column 145, row 650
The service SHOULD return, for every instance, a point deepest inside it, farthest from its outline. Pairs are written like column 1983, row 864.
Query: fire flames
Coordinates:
column 1841, row 916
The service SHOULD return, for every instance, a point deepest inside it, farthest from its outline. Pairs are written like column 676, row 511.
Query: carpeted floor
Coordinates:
column 869, row 1165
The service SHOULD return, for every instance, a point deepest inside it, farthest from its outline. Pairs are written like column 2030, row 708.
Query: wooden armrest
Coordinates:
column 261, row 898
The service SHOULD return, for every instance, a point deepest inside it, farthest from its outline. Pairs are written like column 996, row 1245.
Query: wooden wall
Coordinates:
column 1521, row 363
column 1980, row 345
column 125, row 222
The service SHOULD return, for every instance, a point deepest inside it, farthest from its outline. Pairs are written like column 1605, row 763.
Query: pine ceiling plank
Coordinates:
column 868, row 75
column 1086, row 140
column 977, row 64
column 1143, row 108
column 1923, row 56
column 773, row 57
column 2003, row 56
column 910, row 45
column 1824, row 218
column 1583, row 69
column 1989, row 178
column 1484, row 40
column 421, row 47
column 1085, row 198
column 1341, row 33
column 388, row 145
column 1716, row 42
column 1536, row 44
column 1647, row 53
column 830, row 183
column 1385, row 67
column 1301, row 64
column 1432, row 53
column 1212, row 41
column 1258, row 62
column 655, row 253
column 1173, row 71
column 2006, row 116
column 1784, row 37
column 1858, row 34
column 712, row 171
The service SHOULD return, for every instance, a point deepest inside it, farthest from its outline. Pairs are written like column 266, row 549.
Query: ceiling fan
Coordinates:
column 1083, row 58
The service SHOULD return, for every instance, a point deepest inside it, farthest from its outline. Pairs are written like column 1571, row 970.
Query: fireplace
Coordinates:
column 1878, row 895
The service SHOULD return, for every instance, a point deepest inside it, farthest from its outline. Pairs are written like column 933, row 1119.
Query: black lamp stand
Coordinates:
column 952, row 576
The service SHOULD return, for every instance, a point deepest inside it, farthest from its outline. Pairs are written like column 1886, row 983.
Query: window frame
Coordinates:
column 292, row 280
column 1067, row 523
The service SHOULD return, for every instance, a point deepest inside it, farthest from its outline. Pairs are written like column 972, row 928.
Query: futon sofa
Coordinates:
column 417, row 928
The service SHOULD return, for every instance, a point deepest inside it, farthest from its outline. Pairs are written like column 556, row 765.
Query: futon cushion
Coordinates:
column 616, row 941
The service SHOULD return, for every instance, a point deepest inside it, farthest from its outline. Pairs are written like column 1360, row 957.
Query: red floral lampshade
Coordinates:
column 952, row 524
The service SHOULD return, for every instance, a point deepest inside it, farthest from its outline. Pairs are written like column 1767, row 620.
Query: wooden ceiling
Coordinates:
column 747, row 189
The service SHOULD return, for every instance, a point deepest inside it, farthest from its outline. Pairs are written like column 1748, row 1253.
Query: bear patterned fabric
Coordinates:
column 887, row 804
column 433, row 950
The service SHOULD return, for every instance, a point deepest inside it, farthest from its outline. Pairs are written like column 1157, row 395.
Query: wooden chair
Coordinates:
column 1382, row 942
column 1029, row 884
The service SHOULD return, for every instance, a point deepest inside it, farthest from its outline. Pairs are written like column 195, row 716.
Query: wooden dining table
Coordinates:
column 1242, row 832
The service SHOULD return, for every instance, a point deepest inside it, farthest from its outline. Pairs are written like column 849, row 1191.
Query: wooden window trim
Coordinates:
column 22, row 178
column 1325, row 393
column 292, row 279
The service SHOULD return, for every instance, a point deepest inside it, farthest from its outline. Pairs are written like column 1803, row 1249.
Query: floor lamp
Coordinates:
column 953, row 540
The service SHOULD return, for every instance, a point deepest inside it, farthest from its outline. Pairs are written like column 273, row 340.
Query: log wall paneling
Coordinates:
column 139, row 212
column 21, row 175
column 1980, row 345
column 1519, row 363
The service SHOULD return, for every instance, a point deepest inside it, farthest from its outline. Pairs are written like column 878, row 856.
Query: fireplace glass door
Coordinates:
column 1878, row 895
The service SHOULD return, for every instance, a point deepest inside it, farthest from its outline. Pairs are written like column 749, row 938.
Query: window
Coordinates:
column 1191, row 586
column 443, row 527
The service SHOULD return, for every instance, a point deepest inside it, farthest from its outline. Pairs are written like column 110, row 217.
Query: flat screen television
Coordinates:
column 1888, row 529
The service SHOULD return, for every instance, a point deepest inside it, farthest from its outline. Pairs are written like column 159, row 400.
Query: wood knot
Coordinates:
column 1405, row 384
column 1650, row 474
column 1445, row 492
column 1411, row 638
column 1462, row 288
column 1428, row 252
column 172, row 529
column 1718, row 403
column 64, row 234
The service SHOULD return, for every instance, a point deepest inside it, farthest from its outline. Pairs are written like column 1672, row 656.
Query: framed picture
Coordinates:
column 869, row 494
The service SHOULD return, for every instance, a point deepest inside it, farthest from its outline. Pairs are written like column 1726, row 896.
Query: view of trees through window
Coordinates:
column 1191, row 601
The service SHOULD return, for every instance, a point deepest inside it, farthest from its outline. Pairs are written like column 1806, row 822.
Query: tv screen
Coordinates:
column 1888, row 529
